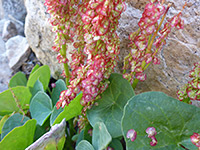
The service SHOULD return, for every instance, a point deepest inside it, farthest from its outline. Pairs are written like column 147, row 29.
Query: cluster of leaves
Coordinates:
column 118, row 111
column 28, row 110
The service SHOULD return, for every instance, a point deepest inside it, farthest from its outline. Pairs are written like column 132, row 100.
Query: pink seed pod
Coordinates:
column 154, row 141
column 53, row 85
column 195, row 139
column 131, row 134
column 151, row 131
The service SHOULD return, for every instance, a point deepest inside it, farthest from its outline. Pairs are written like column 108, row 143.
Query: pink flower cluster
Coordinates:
column 97, row 49
column 142, row 51
column 192, row 89
column 151, row 131
column 195, row 139
column 62, row 13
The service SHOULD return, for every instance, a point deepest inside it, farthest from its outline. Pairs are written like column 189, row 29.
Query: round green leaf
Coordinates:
column 43, row 74
column 20, row 137
column 3, row 120
column 55, row 114
column 70, row 111
column 173, row 120
column 84, row 145
column 12, row 122
column 34, row 69
column 60, row 86
column 36, row 88
column 19, row 79
column 110, row 106
column 100, row 136
column 40, row 107
column 10, row 98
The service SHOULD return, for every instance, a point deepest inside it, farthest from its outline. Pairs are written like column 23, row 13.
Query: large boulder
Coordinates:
column 177, row 57
column 39, row 35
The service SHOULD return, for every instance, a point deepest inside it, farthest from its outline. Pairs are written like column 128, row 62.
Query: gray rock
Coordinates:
column 5, row 71
column 14, row 8
column 9, row 30
column 177, row 57
column 17, row 50
column 2, row 22
column 39, row 35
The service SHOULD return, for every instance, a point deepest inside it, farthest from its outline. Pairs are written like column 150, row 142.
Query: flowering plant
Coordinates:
column 100, row 107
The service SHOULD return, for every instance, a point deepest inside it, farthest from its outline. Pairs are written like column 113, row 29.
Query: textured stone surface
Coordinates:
column 15, row 8
column 177, row 57
column 17, row 51
column 39, row 35
column 9, row 30
column 5, row 71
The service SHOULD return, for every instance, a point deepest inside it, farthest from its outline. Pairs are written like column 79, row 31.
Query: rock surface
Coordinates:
column 15, row 8
column 39, row 35
column 5, row 71
column 9, row 30
column 177, row 57
column 17, row 51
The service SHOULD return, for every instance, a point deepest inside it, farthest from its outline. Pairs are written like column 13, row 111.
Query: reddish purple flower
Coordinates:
column 131, row 134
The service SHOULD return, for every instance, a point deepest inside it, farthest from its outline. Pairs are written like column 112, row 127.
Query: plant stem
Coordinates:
column 156, row 32
column 66, row 68
column 48, row 89
column 150, row 44
column 135, row 82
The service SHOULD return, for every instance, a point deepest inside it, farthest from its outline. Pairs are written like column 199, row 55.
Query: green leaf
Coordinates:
column 60, row 86
column 12, row 122
column 8, row 101
column 110, row 106
column 70, row 111
column 3, row 120
column 41, row 107
column 43, row 74
column 84, row 145
column 100, row 136
column 173, row 120
column 55, row 114
column 19, row 79
column 36, row 88
column 116, row 144
column 80, row 137
column 39, row 131
column 87, row 136
column 20, row 137
column 34, row 69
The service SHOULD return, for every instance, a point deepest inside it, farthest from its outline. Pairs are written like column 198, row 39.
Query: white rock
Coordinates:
column 9, row 30
column 5, row 71
column 2, row 22
column 17, row 50
column 14, row 8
